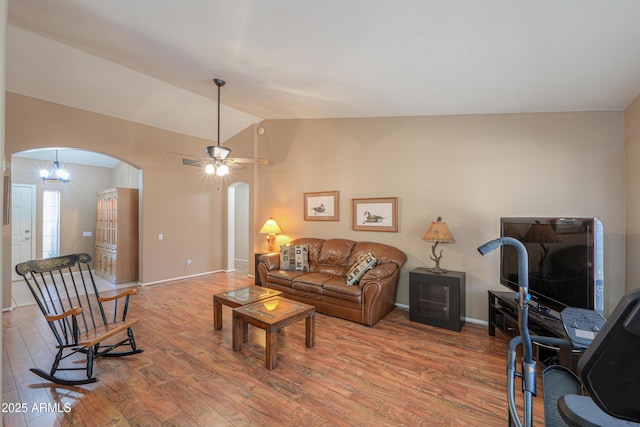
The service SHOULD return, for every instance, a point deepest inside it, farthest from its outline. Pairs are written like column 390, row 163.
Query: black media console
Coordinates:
column 503, row 316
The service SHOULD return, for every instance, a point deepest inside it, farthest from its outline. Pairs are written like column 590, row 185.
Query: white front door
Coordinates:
column 23, row 225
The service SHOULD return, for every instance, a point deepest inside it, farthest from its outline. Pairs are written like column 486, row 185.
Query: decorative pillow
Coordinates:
column 287, row 258
column 302, row 257
column 365, row 263
column 294, row 257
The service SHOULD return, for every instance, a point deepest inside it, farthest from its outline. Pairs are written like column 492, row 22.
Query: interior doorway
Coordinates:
column 23, row 225
column 238, row 227
column 90, row 172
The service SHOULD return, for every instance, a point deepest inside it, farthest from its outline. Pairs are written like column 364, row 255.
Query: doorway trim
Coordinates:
column 233, row 204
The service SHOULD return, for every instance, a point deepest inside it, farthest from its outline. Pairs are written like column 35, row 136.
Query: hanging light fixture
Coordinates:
column 55, row 174
column 218, row 153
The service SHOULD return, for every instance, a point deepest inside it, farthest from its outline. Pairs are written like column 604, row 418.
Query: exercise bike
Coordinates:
column 607, row 393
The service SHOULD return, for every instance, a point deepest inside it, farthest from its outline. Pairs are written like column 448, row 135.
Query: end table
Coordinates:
column 437, row 299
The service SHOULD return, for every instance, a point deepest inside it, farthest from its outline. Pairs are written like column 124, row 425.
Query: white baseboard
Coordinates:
column 182, row 277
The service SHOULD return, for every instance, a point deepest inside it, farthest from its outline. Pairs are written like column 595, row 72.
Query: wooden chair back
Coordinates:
column 65, row 283
column 81, row 320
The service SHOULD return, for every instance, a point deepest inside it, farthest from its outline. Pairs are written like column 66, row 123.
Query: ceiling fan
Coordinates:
column 217, row 160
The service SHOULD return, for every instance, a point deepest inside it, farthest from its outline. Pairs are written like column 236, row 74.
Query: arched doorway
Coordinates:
column 90, row 173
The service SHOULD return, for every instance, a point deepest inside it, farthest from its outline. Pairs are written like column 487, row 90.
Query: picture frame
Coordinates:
column 375, row 214
column 322, row 206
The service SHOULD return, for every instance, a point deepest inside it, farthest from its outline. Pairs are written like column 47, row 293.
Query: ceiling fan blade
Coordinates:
column 234, row 166
column 248, row 160
column 191, row 162
column 173, row 153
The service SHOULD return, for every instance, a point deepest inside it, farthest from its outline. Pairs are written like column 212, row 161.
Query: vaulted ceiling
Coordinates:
column 152, row 61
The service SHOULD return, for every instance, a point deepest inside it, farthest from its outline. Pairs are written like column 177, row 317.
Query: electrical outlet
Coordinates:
column 160, row 236
column 188, row 262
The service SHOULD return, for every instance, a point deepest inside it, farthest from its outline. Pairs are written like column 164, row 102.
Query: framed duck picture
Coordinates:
column 378, row 214
column 322, row 206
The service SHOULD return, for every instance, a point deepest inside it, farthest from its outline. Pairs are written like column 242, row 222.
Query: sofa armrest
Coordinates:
column 379, row 286
column 266, row 263
column 379, row 272
column 271, row 261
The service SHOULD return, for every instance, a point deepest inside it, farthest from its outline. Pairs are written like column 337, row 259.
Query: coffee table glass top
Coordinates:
column 274, row 308
column 250, row 294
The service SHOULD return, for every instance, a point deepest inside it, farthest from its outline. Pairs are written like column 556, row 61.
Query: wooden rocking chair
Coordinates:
column 66, row 293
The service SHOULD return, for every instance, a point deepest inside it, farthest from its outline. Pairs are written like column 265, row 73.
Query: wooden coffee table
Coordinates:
column 238, row 298
column 271, row 315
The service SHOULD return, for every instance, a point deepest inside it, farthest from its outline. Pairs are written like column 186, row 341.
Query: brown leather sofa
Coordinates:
column 325, row 285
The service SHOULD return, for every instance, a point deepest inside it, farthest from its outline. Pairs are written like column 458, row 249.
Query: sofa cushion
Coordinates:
column 336, row 287
column 336, row 252
column 283, row 277
column 334, row 270
column 365, row 263
column 310, row 282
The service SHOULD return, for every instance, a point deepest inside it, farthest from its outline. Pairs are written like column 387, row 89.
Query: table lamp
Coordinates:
column 438, row 232
column 271, row 228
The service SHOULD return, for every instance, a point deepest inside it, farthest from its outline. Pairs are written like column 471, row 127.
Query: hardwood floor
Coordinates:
column 398, row 372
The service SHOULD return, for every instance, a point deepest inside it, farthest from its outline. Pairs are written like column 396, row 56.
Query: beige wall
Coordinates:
column 177, row 201
column 470, row 169
column 632, row 158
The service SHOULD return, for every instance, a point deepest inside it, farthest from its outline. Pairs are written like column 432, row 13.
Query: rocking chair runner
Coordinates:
column 80, row 319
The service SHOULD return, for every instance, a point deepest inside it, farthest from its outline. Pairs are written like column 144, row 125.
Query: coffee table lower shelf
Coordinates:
column 271, row 315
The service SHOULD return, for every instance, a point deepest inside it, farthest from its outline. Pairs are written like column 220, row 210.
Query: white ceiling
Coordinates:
column 152, row 61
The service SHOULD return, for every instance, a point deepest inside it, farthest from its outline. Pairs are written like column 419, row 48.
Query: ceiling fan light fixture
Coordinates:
column 218, row 151
column 222, row 170
column 209, row 169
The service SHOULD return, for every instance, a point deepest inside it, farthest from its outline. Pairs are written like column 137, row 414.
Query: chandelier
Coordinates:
column 55, row 174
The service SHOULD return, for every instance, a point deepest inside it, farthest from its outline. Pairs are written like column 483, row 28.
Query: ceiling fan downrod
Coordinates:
column 219, row 83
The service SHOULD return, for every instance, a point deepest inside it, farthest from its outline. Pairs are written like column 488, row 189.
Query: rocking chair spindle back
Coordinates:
column 81, row 320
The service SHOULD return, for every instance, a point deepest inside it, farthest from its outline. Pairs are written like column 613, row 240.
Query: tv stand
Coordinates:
column 503, row 316
column 540, row 310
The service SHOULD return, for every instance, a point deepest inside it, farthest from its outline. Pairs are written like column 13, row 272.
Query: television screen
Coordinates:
column 565, row 260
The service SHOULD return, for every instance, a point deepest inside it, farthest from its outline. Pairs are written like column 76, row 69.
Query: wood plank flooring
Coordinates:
column 397, row 373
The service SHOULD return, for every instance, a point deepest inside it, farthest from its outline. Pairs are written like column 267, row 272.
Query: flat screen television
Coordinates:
column 566, row 262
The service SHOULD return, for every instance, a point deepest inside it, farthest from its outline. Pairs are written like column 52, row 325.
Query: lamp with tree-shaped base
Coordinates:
column 438, row 232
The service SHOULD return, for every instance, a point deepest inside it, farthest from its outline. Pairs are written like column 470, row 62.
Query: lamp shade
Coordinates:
column 439, row 232
column 541, row 233
column 270, row 227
